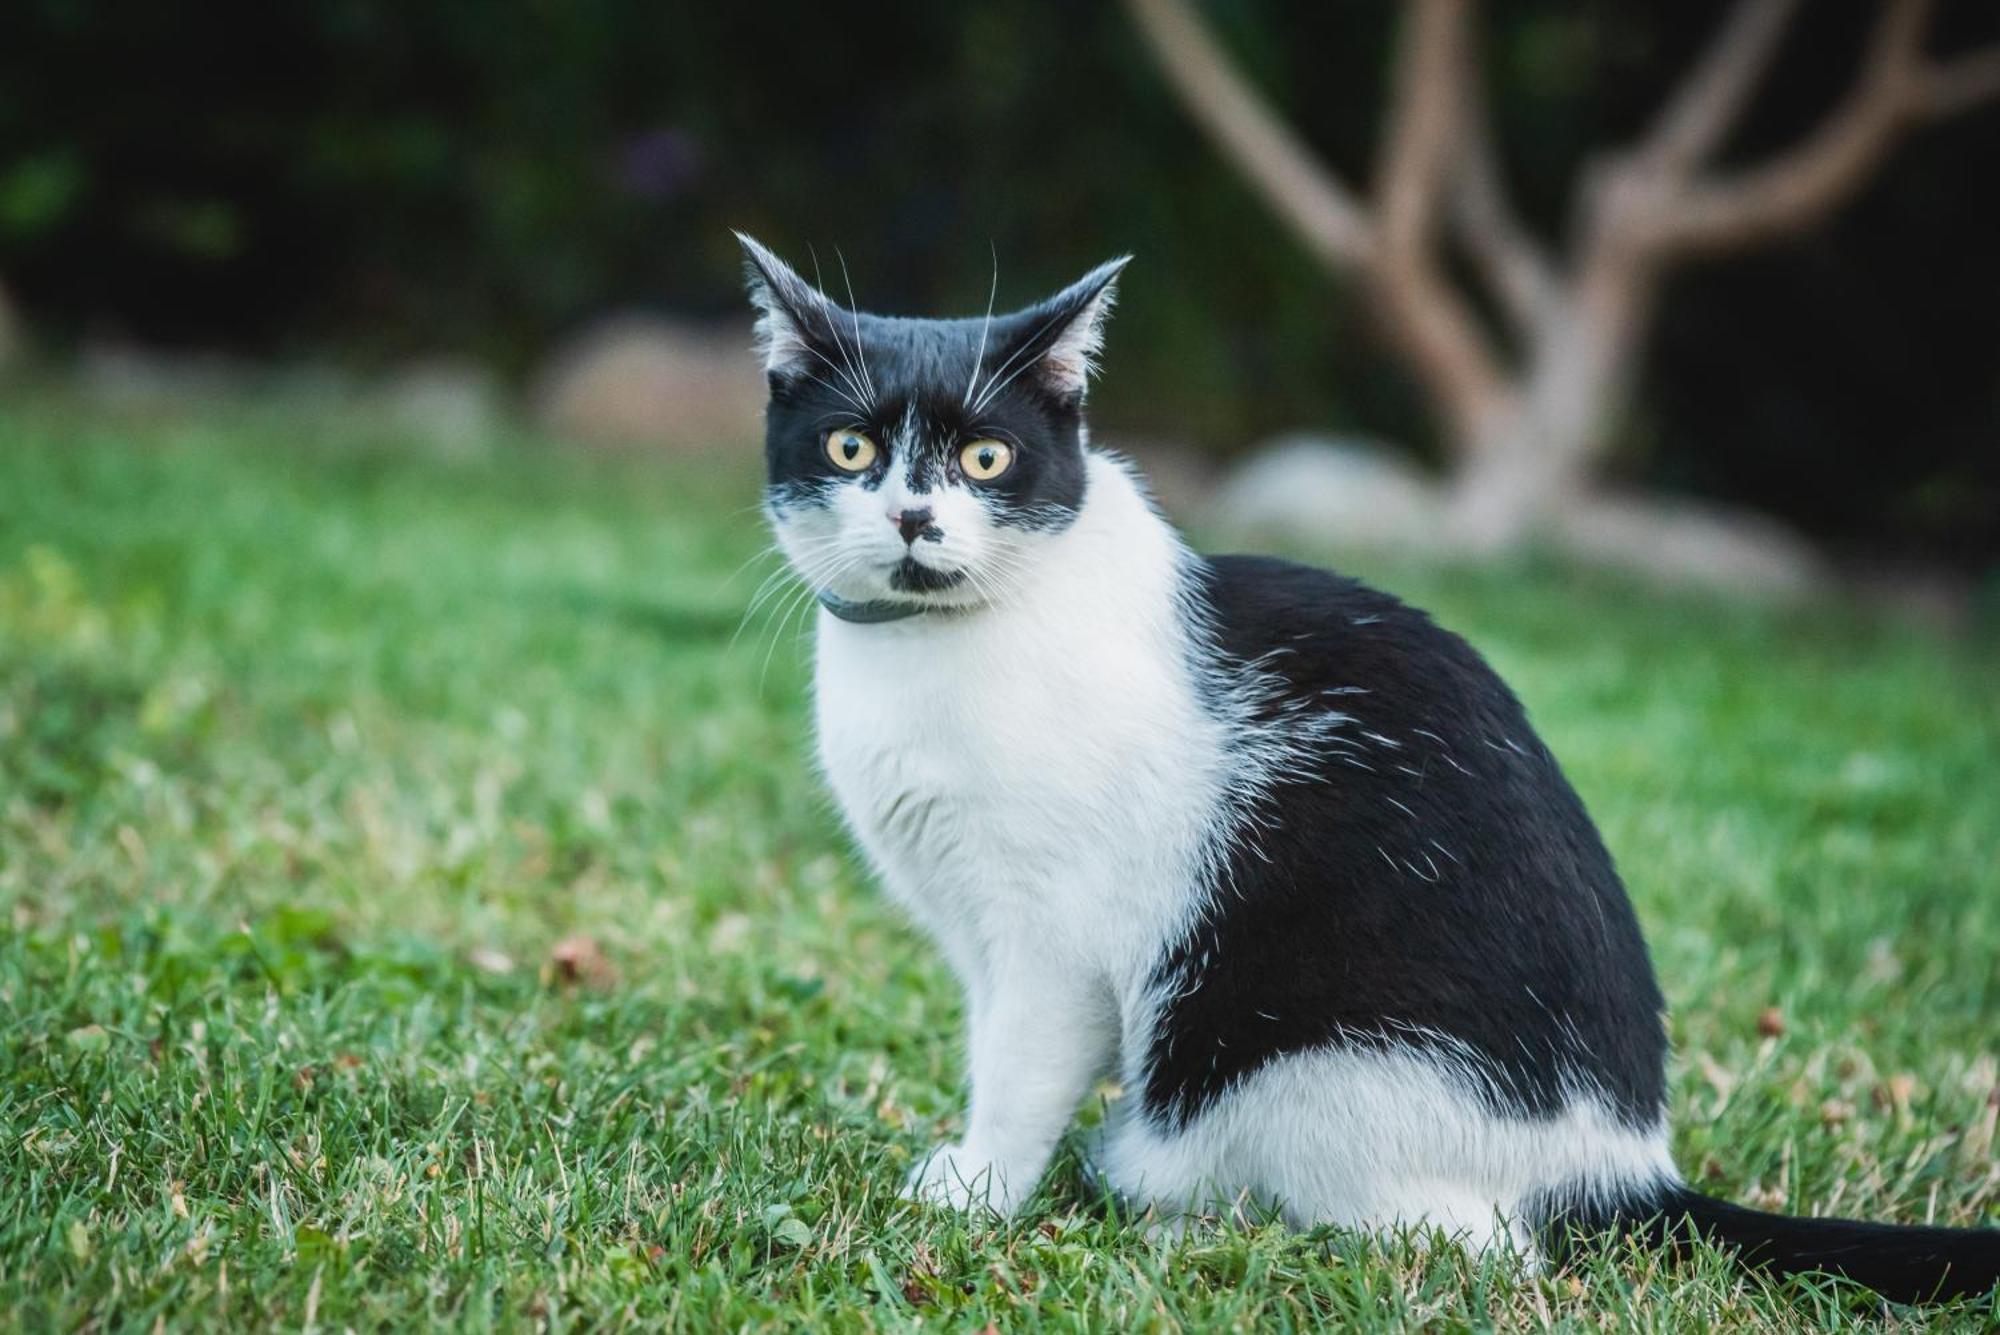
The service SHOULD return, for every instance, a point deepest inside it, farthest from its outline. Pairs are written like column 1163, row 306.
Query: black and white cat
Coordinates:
column 1268, row 846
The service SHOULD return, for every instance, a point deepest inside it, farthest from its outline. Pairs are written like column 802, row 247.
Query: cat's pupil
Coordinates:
column 849, row 448
column 986, row 458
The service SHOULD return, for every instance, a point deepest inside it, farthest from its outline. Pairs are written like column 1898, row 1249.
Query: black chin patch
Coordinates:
column 909, row 577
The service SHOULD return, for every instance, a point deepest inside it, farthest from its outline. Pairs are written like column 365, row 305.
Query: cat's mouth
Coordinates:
column 908, row 576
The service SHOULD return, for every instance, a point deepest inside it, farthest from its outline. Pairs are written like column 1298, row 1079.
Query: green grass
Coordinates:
column 313, row 749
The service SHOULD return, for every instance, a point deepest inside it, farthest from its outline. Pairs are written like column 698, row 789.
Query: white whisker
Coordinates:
column 854, row 376
column 854, row 312
column 979, row 357
column 986, row 395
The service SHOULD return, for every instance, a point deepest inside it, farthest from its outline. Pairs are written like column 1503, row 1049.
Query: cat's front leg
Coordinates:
column 1040, row 1037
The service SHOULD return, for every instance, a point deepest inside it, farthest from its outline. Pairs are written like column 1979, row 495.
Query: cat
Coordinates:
column 1268, row 847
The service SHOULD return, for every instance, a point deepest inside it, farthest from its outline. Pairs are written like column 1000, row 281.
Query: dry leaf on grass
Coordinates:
column 1894, row 1095
column 580, row 960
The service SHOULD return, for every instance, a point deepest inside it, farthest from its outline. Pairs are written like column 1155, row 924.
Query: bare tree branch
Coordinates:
column 1302, row 189
column 1959, row 85
column 1516, row 267
column 1706, row 108
column 1425, row 313
column 1895, row 92
column 1525, row 434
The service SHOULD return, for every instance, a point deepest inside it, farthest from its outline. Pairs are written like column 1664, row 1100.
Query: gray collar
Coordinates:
column 870, row 613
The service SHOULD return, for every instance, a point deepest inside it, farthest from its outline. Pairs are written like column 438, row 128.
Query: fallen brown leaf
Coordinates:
column 579, row 959
column 1765, row 1198
column 1894, row 1094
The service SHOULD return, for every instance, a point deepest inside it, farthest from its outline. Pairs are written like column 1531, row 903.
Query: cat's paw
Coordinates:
column 962, row 1179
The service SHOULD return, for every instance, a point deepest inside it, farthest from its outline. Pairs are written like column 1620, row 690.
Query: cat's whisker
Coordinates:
column 764, row 590
column 825, row 583
column 771, row 588
column 979, row 357
column 859, row 407
column 803, row 545
column 769, row 549
column 1027, row 344
column 800, row 597
column 854, row 313
column 801, row 604
column 991, row 591
column 770, row 640
column 844, row 371
column 854, row 398
column 847, row 373
column 773, row 583
column 771, row 577
column 856, row 376
column 993, row 389
column 993, row 578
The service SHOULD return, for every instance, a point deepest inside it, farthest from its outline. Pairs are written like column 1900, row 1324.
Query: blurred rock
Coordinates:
column 457, row 406
column 1678, row 541
column 1930, row 596
column 126, row 376
column 317, row 386
column 454, row 406
column 1331, row 490
column 638, row 380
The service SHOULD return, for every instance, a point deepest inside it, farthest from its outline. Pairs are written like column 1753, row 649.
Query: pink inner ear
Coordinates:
column 790, row 311
column 1072, row 357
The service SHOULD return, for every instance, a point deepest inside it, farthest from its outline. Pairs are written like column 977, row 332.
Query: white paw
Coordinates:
column 960, row 1178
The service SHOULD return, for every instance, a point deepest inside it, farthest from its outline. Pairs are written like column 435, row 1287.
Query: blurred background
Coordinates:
column 522, row 211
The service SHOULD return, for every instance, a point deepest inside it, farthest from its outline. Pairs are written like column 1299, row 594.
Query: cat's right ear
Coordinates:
column 794, row 318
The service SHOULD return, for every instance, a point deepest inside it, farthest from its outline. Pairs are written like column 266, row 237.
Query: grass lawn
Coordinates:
column 419, row 906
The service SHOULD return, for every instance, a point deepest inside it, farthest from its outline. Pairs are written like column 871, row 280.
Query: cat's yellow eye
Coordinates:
column 850, row 450
column 984, row 460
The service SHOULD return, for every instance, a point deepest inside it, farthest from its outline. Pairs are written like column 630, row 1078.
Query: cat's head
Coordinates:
column 920, row 463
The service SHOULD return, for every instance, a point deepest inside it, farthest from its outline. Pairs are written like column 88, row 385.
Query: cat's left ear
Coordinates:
column 1064, row 334
column 794, row 318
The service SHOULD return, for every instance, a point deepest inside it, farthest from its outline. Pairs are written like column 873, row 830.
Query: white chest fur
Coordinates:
column 1039, row 771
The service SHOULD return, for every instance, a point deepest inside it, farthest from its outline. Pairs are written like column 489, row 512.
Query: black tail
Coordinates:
column 1903, row 1263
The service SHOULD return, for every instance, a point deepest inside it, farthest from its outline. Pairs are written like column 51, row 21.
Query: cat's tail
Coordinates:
column 1904, row 1263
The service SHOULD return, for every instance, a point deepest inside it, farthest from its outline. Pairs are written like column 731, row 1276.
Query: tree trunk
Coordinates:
column 1534, row 457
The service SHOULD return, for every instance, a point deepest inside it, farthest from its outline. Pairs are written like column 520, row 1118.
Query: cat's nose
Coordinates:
column 914, row 524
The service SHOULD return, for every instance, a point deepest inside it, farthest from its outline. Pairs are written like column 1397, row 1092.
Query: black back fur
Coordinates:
column 1446, row 894
column 1452, row 895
